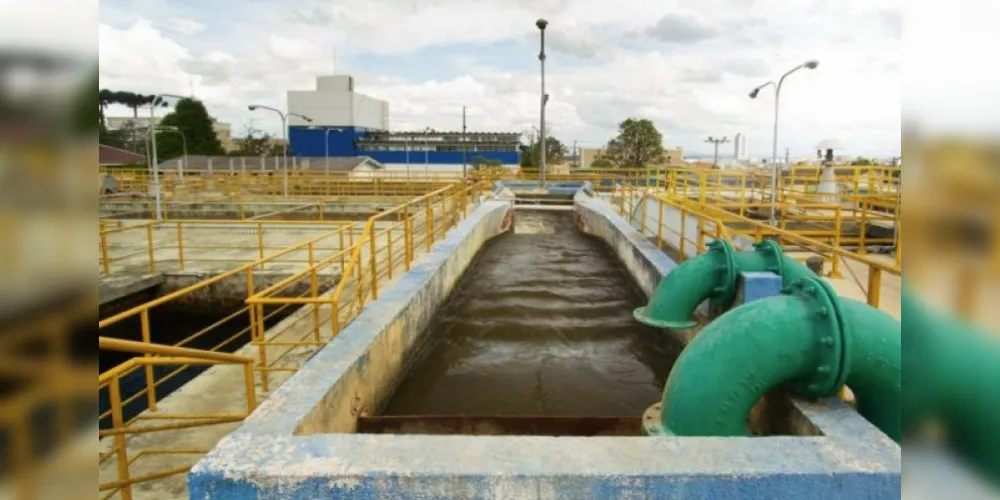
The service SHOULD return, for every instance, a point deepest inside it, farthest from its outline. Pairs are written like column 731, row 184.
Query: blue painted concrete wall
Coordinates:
column 280, row 452
column 756, row 286
column 314, row 142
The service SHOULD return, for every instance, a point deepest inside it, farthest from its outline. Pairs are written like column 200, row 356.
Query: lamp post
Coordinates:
column 406, row 146
column 810, row 64
column 542, row 24
column 326, row 142
column 184, row 147
column 284, row 136
column 427, row 153
column 153, row 162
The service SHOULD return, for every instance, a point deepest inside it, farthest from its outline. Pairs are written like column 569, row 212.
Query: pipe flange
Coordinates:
column 652, row 421
column 834, row 338
column 724, row 292
column 772, row 250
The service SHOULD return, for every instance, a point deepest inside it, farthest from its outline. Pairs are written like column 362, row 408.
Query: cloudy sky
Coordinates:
column 686, row 64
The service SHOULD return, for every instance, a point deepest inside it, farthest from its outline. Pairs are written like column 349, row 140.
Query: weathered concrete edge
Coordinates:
column 264, row 460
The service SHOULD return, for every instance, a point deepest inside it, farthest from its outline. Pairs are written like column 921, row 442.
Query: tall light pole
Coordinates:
column 716, row 141
column 541, row 24
column 810, row 64
column 184, row 146
column 284, row 136
column 427, row 153
column 406, row 146
column 326, row 142
column 153, row 162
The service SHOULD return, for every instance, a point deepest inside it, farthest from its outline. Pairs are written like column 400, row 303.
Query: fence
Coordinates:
column 45, row 403
column 718, row 222
column 379, row 255
column 152, row 246
column 158, row 355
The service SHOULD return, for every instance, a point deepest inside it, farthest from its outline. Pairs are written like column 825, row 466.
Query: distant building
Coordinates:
column 589, row 155
column 223, row 131
column 355, row 165
column 740, row 147
column 346, row 124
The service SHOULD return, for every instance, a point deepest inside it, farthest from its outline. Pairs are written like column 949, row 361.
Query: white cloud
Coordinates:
column 185, row 27
column 597, row 75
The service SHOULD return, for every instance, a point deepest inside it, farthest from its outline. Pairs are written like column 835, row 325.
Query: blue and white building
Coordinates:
column 346, row 123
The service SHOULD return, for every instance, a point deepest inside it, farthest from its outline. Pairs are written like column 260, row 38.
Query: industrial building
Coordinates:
column 740, row 147
column 346, row 123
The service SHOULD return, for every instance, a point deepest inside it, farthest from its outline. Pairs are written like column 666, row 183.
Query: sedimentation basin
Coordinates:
column 539, row 325
column 422, row 350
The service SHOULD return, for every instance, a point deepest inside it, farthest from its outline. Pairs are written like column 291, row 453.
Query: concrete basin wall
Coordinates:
column 298, row 444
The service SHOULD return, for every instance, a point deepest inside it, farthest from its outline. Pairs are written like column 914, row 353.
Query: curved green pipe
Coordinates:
column 714, row 276
column 954, row 379
column 805, row 336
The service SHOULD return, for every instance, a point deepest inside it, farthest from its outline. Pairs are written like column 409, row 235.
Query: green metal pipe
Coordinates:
column 954, row 381
column 803, row 336
column 713, row 276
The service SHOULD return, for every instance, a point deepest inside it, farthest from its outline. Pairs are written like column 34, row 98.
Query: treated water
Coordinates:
column 540, row 324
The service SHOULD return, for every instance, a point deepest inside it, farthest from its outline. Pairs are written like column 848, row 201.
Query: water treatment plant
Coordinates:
column 602, row 335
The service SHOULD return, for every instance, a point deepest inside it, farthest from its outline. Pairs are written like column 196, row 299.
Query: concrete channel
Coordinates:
column 312, row 438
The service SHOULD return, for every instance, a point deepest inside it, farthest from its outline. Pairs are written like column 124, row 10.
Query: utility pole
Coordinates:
column 464, row 147
column 717, row 142
column 576, row 156
column 787, row 159
column 541, row 24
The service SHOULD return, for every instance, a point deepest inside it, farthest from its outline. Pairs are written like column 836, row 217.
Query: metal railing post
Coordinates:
column 118, row 422
column 180, row 245
column 150, row 377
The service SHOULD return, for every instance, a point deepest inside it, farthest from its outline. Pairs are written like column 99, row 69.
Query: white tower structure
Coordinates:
column 740, row 147
column 335, row 104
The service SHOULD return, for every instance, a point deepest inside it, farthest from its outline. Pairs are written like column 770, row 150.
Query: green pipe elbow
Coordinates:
column 954, row 382
column 876, row 368
column 803, row 336
column 679, row 293
column 713, row 276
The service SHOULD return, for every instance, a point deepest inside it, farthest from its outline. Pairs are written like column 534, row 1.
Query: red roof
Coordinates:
column 110, row 156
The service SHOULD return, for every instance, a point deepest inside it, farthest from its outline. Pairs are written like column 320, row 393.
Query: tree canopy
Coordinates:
column 191, row 119
column 256, row 142
column 637, row 144
column 555, row 152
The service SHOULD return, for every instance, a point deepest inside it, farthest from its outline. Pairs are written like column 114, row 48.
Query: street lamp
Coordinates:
column 810, row 64
column 326, row 142
column 542, row 24
column 153, row 162
column 284, row 136
column 427, row 153
column 184, row 147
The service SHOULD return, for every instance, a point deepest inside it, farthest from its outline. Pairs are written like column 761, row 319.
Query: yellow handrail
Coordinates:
column 164, row 355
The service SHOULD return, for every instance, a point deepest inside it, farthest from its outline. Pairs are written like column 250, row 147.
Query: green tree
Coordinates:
column 555, row 152
column 861, row 161
column 255, row 142
column 637, row 144
column 192, row 119
column 602, row 163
